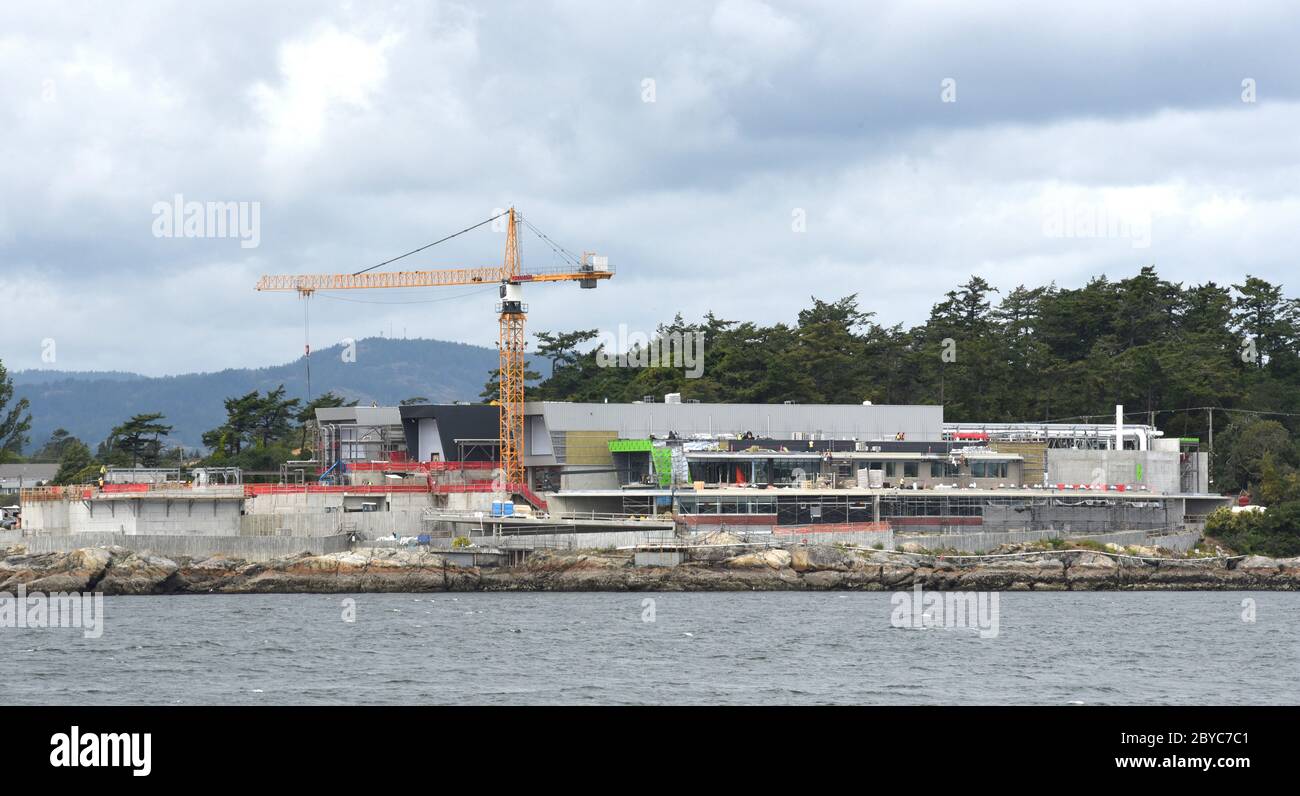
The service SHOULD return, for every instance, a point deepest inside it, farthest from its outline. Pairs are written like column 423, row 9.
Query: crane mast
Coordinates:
column 511, row 361
column 511, row 311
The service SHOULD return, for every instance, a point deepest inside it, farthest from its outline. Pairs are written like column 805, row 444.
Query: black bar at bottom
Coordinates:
column 332, row 745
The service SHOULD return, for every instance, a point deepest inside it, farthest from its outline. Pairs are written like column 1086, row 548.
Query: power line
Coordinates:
column 1227, row 409
column 1145, row 412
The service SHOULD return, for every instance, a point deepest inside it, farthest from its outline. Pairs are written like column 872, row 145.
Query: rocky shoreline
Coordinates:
column 119, row 571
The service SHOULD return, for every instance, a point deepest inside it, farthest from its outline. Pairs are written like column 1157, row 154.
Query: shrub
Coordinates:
column 1274, row 532
column 1088, row 544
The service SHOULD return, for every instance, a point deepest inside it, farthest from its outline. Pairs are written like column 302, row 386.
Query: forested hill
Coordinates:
column 1035, row 353
column 385, row 371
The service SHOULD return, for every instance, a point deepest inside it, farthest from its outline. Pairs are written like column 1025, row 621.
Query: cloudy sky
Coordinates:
column 735, row 156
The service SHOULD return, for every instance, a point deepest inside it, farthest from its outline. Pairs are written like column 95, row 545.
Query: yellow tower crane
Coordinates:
column 587, row 273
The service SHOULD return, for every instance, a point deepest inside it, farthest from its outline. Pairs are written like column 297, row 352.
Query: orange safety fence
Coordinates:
column 410, row 466
column 252, row 490
column 85, row 492
column 39, row 493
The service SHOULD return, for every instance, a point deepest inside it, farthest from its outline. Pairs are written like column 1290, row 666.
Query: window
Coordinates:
column 911, row 469
column 988, row 469
column 784, row 471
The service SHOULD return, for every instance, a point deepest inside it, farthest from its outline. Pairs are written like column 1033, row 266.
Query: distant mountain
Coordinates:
column 385, row 371
column 47, row 376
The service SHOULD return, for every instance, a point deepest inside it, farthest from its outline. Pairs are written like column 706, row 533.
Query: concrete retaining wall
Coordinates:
column 371, row 524
column 1082, row 518
column 576, row 541
column 319, row 502
column 249, row 548
column 987, row 542
column 857, row 538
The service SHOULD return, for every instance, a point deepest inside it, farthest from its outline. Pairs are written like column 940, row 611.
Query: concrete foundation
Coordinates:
column 1157, row 470
column 191, row 514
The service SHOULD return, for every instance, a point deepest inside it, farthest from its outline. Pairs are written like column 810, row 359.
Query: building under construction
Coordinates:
column 425, row 471
column 807, row 464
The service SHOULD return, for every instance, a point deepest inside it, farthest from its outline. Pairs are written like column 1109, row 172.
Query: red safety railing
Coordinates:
column 530, row 496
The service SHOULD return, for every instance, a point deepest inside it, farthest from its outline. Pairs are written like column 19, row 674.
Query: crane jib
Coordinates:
column 586, row 271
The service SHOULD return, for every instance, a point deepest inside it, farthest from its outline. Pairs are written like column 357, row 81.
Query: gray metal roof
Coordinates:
column 831, row 421
column 27, row 473
column 361, row 415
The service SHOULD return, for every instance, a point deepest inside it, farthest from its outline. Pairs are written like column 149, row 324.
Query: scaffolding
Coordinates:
column 1094, row 436
column 347, row 443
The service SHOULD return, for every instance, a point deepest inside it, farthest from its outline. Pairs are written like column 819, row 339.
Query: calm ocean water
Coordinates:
column 751, row 648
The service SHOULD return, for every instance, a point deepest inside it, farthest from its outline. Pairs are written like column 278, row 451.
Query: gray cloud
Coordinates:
column 364, row 130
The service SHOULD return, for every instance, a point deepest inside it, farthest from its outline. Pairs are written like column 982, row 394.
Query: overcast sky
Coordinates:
column 734, row 156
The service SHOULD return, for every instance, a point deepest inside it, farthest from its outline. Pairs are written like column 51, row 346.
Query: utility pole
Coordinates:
column 1209, row 462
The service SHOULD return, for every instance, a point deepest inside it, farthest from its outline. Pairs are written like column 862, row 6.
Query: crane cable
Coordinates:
column 306, row 340
column 557, row 248
column 306, row 316
column 435, row 243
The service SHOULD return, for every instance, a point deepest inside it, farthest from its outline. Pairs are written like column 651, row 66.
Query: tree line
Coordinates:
column 261, row 430
column 1165, row 350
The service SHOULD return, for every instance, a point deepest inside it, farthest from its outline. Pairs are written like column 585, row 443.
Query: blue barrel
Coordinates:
column 496, row 508
column 508, row 509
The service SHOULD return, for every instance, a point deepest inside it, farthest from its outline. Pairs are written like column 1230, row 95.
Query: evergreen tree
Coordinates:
column 139, row 439
column 15, row 423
